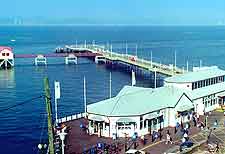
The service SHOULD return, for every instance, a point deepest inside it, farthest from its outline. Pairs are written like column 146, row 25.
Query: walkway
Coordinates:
column 130, row 59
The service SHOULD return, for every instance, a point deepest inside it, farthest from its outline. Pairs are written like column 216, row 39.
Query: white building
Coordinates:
column 142, row 110
column 6, row 57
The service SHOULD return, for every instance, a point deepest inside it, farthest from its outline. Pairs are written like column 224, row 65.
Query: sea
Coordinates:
column 24, row 126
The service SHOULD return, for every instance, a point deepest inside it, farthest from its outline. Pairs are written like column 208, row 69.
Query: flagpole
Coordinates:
column 57, row 96
column 85, row 98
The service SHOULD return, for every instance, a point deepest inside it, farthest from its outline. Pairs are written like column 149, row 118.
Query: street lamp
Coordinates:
column 42, row 147
column 62, row 138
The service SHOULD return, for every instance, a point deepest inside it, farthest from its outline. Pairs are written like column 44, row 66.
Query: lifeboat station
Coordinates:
column 6, row 57
column 143, row 110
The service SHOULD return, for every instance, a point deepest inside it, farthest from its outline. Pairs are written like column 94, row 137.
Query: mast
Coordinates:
column 49, row 112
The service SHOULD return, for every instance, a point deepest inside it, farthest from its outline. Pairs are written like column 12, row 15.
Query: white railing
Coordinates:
column 71, row 117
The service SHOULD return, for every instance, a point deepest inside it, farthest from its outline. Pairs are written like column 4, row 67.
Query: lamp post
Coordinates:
column 62, row 138
column 42, row 148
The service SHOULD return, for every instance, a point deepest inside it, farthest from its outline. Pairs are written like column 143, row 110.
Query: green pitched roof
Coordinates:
column 196, row 76
column 137, row 101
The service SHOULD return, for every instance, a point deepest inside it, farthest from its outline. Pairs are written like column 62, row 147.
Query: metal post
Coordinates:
column 85, row 97
column 111, row 50
column 56, row 111
column 151, row 58
column 155, row 78
column 110, row 85
column 49, row 111
column 136, row 50
column 187, row 65
column 175, row 60
column 126, row 48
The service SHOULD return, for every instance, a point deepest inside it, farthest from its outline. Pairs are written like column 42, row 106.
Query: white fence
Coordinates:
column 71, row 117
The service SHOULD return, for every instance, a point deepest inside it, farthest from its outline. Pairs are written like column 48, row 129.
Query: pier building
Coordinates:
column 143, row 110
column 205, row 86
column 40, row 60
column 6, row 57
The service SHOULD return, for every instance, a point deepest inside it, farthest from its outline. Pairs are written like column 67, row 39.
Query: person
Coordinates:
column 185, row 136
column 168, row 137
column 217, row 147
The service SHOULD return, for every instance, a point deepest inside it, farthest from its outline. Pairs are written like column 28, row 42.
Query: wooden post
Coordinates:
column 49, row 112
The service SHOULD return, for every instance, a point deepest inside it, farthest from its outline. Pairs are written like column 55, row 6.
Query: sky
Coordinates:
column 150, row 12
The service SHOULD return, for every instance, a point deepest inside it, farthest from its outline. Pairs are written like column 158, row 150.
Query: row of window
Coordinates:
column 209, row 100
column 207, row 82
column 5, row 54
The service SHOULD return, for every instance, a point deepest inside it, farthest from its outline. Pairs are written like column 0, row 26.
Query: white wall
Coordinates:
column 179, row 85
column 6, row 57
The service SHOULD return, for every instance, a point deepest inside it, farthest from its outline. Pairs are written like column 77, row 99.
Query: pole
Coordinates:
column 63, row 147
column 200, row 63
column 136, row 50
column 151, row 58
column 49, row 111
column 85, row 97
column 76, row 43
column 56, row 112
column 111, row 50
column 110, row 85
column 175, row 60
column 155, row 78
column 126, row 48
column 85, row 44
column 187, row 65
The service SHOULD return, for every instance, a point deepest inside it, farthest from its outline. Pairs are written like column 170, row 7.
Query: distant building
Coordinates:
column 143, row 110
column 6, row 57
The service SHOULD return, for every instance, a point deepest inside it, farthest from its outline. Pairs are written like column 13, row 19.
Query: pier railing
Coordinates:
column 131, row 59
column 71, row 117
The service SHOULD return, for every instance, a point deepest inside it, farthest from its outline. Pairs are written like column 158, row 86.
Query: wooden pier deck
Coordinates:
column 129, row 59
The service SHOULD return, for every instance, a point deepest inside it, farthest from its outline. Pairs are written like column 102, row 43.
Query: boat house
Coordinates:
column 143, row 110
column 6, row 57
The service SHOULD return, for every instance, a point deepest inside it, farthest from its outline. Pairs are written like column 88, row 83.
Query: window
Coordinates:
column 7, row 54
column 3, row 54
column 203, row 83
column 141, row 122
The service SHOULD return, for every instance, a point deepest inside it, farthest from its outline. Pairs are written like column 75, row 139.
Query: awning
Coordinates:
column 185, row 107
column 152, row 116
column 222, row 94
column 96, row 118
column 125, row 120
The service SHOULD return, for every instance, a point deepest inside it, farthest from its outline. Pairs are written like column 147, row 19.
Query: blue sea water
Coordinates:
column 23, row 127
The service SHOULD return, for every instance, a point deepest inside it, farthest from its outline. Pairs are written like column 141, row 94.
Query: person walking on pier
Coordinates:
column 168, row 137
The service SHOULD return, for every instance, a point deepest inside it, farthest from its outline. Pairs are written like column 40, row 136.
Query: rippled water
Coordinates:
column 22, row 127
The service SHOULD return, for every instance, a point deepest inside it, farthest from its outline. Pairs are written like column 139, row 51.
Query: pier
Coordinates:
column 130, row 60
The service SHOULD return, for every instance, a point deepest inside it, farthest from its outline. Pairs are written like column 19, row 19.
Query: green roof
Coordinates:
column 133, row 101
column 196, row 76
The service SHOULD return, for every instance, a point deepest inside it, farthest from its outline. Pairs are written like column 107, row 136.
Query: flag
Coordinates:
column 57, row 90
column 133, row 78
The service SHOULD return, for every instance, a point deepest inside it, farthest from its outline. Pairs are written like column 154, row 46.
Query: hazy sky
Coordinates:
column 119, row 11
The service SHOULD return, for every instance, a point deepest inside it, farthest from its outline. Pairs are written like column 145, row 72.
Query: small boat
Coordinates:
column 12, row 40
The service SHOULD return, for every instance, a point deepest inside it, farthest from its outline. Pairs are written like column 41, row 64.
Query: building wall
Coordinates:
column 6, row 51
